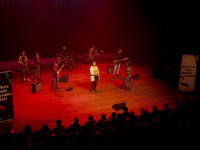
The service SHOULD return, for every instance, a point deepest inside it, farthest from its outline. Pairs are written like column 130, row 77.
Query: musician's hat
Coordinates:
column 58, row 58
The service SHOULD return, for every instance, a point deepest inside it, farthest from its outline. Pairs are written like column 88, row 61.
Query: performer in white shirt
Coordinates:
column 94, row 76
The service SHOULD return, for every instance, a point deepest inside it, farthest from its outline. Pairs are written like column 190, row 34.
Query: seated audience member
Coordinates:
column 37, row 137
column 45, row 129
column 125, row 114
column 75, row 127
column 145, row 117
column 59, row 126
column 8, row 131
column 176, row 105
column 76, row 123
column 6, row 137
column 102, row 120
column 113, row 119
column 120, row 120
column 166, row 111
column 133, row 117
column 28, row 132
column 90, row 120
column 149, row 117
column 88, row 124
column 154, row 113
column 141, row 117
column 45, row 133
column 113, row 116
column 22, row 140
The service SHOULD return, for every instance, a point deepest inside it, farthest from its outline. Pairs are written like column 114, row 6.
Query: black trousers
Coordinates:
column 37, row 72
column 94, row 83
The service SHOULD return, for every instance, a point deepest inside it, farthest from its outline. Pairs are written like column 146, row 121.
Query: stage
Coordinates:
column 46, row 106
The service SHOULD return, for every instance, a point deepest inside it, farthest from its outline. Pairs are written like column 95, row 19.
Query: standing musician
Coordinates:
column 37, row 60
column 94, row 76
column 56, row 72
column 127, row 82
column 23, row 62
column 117, row 58
column 93, row 53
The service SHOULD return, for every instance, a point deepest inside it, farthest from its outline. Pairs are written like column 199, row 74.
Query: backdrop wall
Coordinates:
column 48, row 25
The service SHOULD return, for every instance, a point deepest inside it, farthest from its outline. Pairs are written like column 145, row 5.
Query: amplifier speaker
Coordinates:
column 110, row 69
column 119, row 106
column 36, row 87
column 64, row 78
column 135, row 76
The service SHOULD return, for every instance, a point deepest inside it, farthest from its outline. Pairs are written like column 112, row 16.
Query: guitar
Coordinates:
column 58, row 72
column 117, row 61
column 22, row 65
column 24, row 62
column 92, row 57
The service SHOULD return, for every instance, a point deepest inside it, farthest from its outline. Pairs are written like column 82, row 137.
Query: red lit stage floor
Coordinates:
column 47, row 106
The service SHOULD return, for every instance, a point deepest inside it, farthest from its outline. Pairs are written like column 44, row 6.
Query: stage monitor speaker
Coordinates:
column 119, row 106
column 85, row 60
column 36, row 87
column 135, row 76
column 110, row 69
column 64, row 78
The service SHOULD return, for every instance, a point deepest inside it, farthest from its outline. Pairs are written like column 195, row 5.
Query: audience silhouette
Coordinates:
column 165, row 127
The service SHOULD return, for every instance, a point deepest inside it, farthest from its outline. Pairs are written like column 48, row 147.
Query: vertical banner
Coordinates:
column 6, row 97
column 188, row 72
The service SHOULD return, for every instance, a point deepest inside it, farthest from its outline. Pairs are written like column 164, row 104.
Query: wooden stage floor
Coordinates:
column 47, row 106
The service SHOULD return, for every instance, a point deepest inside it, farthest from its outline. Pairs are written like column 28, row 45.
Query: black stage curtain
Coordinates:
column 48, row 25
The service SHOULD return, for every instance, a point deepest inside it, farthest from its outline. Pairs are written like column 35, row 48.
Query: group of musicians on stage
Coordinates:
column 94, row 71
column 24, row 66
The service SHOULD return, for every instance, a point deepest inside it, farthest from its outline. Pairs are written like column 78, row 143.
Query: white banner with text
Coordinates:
column 188, row 73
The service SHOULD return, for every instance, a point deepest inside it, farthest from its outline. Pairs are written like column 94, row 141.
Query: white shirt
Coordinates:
column 92, row 73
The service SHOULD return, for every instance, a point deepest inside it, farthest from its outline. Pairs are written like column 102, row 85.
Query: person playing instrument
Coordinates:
column 64, row 57
column 118, row 56
column 94, row 76
column 93, row 54
column 127, row 82
column 23, row 62
column 37, row 60
column 64, row 53
column 56, row 71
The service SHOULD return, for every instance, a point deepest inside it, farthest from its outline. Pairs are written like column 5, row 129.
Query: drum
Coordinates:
column 66, row 59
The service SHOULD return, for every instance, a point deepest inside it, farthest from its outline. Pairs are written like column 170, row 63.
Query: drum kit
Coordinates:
column 67, row 60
